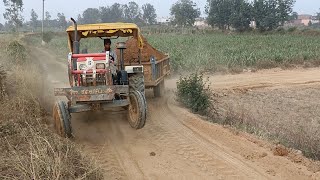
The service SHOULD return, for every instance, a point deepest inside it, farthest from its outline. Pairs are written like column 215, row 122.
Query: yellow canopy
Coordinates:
column 105, row 30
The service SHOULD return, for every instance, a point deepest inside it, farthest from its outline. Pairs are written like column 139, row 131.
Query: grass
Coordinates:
column 212, row 51
column 29, row 148
column 285, row 115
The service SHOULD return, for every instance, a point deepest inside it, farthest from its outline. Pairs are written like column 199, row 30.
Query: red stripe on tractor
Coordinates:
column 88, row 55
column 82, row 59
column 99, row 71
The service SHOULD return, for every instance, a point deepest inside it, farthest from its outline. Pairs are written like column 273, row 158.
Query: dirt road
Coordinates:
column 174, row 144
column 272, row 79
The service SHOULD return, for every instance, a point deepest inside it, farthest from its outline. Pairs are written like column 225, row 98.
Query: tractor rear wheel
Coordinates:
column 62, row 119
column 137, row 111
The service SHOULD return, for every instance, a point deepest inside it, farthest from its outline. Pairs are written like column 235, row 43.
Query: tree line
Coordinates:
column 131, row 12
column 238, row 14
column 222, row 14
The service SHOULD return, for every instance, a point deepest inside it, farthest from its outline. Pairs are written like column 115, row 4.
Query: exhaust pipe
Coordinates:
column 121, row 46
column 76, row 44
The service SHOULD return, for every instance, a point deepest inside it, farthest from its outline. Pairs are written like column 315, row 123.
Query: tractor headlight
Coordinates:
column 101, row 66
column 82, row 66
column 137, row 69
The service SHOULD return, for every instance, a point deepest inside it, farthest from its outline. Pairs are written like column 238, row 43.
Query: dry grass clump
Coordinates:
column 29, row 149
column 269, row 123
column 32, row 151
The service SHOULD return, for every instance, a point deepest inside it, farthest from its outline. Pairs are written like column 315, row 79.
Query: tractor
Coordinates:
column 94, row 86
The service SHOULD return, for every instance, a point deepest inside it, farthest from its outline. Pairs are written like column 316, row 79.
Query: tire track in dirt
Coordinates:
column 271, row 78
column 109, row 163
column 186, row 144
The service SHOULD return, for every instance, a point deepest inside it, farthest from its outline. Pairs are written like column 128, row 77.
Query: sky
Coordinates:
column 71, row 8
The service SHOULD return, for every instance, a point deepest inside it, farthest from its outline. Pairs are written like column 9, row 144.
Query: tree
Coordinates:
column 13, row 12
column 284, row 10
column 293, row 16
column 91, row 15
column 219, row 13
column 309, row 23
column 62, row 23
column 184, row 13
column 116, row 13
column 34, row 19
column 149, row 14
column 240, row 15
column 132, row 12
column 270, row 14
column 318, row 16
column 265, row 14
column 226, row 13
column 79, row 19
column 47, row 18
column 105, row 14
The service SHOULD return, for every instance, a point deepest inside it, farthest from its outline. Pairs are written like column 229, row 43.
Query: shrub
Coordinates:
column 47, row 36
column 193, row 92
column 16, row 52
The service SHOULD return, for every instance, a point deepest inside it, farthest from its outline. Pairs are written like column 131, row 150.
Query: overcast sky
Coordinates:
column 71, row 8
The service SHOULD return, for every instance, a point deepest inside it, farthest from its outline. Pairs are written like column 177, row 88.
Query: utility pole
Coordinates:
column 42, row 21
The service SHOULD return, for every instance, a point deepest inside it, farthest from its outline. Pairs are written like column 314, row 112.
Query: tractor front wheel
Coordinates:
column 137, row 111
column 62, row 119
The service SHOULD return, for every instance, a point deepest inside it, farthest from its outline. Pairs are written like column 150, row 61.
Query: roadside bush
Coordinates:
column 16, row 52
column 47, row 36
column 194, row 93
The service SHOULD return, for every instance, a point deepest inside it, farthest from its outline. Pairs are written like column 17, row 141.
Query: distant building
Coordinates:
column 304, row 20
column 163, row 20
column 201, row 23
column 253, row 24
column 315, row 20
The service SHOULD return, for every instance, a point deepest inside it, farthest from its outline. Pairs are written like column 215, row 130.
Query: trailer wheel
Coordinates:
column 137, row 111
column 158, row 91
column 62, row 119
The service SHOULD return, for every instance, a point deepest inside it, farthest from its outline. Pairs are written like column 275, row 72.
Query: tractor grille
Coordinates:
column 89, row 81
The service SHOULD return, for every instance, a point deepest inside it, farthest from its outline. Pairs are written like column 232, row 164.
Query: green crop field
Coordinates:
column 210, row 51
column 217, row 50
